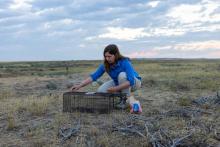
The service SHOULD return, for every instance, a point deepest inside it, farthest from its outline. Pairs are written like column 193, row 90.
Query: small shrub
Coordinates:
column 11, row 122
column 183, row 101
column 51, row 86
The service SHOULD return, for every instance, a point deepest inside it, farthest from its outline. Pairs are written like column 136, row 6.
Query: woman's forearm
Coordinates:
column 123, row 86
column 86, row 82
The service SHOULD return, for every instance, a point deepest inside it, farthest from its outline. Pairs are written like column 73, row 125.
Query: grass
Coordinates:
column 172, row 75
column 51, row 68
column 184, row 101
column 166, row 85
column 6, row 94
column 30, row 104
column 186, row 76
column 37, row 106
column 11, row 124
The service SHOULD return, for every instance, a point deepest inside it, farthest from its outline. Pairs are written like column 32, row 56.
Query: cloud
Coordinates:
column 21, row 5
column 137, row 33
column 191, row 13
column 200, row 27
column 214, row 54
column 124, row 33
column 157, row 28
column 153, row 4
column 192, row 46
column 143, row 54
column 59, row 23
column 167, row 31
column 12, row 27
column 48, row 11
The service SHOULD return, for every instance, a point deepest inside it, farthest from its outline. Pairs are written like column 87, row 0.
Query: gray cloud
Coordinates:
column 63, row 29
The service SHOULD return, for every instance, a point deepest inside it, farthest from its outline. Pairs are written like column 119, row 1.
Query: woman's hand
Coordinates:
column 112, row 89
column 82, row 84
column 75, row 87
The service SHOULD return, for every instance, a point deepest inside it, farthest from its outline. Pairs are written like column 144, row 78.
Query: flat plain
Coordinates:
column 180, row 100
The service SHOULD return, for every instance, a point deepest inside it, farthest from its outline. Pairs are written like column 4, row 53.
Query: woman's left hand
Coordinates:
column 112, row 89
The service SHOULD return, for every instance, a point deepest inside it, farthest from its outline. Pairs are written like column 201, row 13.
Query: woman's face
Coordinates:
column 110, row 58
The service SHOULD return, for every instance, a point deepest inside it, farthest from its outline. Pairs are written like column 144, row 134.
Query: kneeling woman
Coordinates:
column 124, row 78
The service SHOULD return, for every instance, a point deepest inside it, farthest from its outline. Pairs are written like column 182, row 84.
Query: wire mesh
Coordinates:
column 90, row 102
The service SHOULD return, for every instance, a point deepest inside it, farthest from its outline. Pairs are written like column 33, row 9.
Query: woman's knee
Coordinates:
column 104, row 87
column 122, row 77
column 101, row 89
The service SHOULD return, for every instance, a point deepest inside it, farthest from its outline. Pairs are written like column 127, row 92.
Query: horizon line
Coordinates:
column 204, row 58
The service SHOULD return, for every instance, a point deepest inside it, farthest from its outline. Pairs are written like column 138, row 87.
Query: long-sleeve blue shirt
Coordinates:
column 123, row 65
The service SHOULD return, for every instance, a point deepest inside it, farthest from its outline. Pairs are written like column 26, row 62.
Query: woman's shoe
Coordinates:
column 122, row 104
column 136, row 107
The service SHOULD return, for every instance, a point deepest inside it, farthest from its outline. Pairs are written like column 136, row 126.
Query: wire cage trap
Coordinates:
column 90, row 101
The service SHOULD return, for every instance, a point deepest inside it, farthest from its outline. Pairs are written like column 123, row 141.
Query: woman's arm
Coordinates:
column 82, row 84
column 119, row 87
column 93, row 77
column 129, row 72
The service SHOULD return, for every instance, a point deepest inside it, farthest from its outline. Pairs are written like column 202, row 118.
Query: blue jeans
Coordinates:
column 122, row 78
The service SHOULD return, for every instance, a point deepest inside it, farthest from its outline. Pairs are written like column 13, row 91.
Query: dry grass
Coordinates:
column 37, row 106
column 31, row 112
column 6, row 94
column 103, row 141
column 184, row 101
column 11, row 124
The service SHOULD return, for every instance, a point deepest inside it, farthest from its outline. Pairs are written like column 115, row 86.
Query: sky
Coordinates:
column 42, row 30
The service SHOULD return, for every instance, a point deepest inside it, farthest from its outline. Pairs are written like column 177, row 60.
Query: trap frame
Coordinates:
column 90, row 101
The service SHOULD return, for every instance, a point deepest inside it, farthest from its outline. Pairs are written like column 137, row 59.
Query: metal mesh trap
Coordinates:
column 90, row 101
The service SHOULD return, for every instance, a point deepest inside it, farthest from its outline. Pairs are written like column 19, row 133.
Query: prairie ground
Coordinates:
column 180, row 100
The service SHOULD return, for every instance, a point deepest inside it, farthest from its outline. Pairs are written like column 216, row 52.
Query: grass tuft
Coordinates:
column 37, row 106
column 184, row 101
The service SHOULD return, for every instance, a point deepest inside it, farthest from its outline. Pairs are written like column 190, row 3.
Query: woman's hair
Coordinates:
column 113, row 50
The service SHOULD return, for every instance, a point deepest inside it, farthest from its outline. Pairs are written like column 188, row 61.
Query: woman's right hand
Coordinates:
column 82, row 84
column 75, row 87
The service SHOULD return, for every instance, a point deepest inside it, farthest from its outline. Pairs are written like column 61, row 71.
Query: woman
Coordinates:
column 124, row 78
